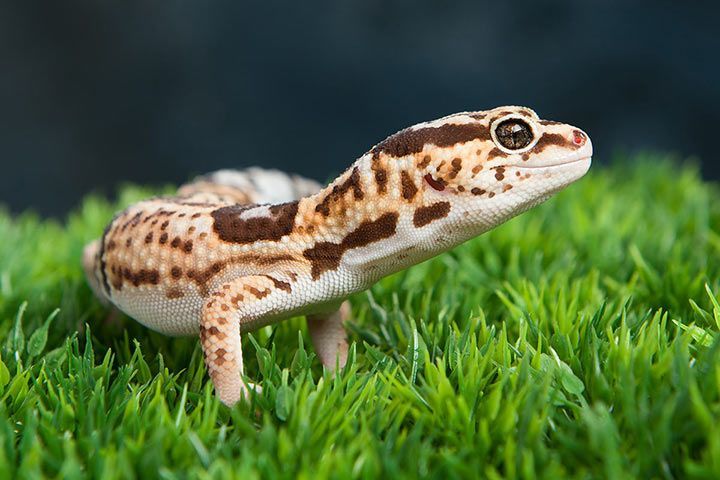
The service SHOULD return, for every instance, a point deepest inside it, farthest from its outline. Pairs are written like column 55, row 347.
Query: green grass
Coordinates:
column 578, row 340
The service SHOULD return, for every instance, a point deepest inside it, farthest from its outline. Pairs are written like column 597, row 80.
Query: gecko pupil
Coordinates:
column 514, row 134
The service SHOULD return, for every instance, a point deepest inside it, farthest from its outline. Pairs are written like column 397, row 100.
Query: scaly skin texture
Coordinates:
column 211, row 261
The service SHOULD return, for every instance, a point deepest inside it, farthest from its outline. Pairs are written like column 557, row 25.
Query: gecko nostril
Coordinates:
column 579, row 138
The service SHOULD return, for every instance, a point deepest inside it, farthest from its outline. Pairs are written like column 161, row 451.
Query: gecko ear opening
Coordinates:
column 438, row 185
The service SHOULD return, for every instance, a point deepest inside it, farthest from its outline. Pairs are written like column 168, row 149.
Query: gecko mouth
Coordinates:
column 556, row 165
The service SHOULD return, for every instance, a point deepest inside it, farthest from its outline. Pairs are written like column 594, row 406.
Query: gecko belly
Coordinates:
column 174, row 317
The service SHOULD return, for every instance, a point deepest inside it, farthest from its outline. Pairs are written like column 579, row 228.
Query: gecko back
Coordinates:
column 248, row 187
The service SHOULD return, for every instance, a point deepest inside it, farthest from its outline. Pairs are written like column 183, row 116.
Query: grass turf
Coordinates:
column 578, row 340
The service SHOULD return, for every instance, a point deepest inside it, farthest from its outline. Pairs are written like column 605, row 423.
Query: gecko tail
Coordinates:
column 91, row 266
column 252, row 185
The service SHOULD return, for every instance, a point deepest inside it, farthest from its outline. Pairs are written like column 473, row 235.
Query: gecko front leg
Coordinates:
column 329, row 339
column 233, row 304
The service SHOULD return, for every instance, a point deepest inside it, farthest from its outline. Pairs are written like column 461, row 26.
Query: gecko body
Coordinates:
column 234, row 251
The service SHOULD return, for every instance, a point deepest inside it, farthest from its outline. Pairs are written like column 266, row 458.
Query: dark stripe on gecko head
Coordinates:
column 326, row 256
column 231, row 228
column 426, row 215
column 338, row 191
column 409, row 141
column 408, row 186
column 556, row 139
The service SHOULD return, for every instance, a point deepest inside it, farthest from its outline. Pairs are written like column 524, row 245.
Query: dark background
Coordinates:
column 96, row 93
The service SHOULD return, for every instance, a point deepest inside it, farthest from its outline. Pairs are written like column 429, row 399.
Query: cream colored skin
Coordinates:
column 198, row 263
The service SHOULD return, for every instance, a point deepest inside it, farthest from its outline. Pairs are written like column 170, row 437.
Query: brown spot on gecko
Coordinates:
column 149, row 237
column 202, row 278
column 409, row 141
column 163, row 238
column 220, row 354
column 279, row 284
column 173, row 293
column 456, row 167
column 496, row 152
column 507, row 187
column 175, row 242
column 408, row 186
column 128, row 242
column 259, row 294
column 425, row 215
column 380, row 176
column 371, row 231
column 141, row 277
column 424, row 162
column 352, row 182
column 188, row 246
column 477, row 191
column 499, row 173
column 132, row 222
column 326, row 256
column 549, row 122
column 164, row 225
column 215, row 332
column 176, row 272
column 231, row 228
column 196, row 215
column 381, row 180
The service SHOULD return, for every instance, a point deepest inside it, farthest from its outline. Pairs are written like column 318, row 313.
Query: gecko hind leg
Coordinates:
column 329, row 337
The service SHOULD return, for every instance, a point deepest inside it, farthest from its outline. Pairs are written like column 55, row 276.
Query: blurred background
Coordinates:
column 94, row 94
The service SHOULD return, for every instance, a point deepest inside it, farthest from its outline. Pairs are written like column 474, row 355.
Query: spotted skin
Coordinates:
column 237, row 250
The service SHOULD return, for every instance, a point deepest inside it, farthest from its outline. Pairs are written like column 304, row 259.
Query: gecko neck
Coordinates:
column 373, row 218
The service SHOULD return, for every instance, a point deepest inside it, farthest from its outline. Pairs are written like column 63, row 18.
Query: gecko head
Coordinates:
column 515, row 161
column 478, row 169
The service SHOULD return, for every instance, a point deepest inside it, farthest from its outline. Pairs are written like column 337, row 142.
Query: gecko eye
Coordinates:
column 514, row 134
